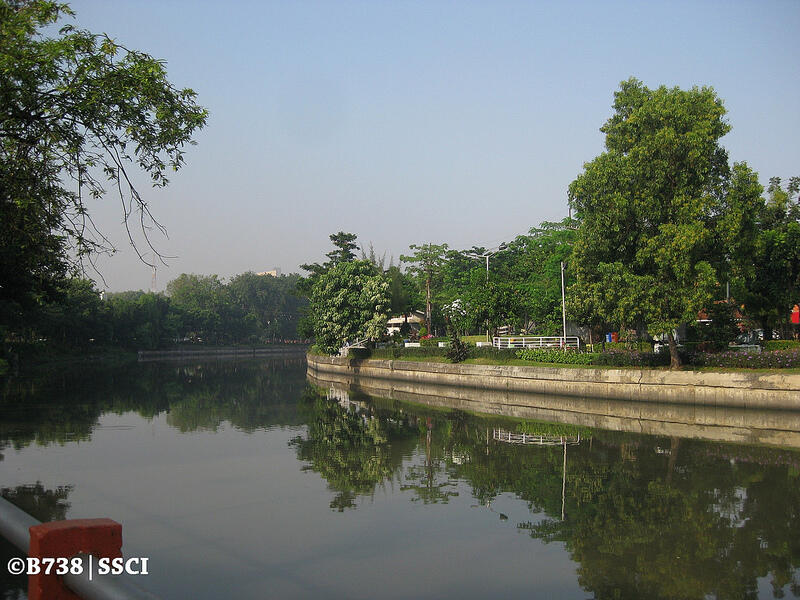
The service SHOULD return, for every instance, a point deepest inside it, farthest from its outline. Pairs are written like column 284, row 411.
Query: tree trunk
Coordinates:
column 674, row 358
column 428, row 303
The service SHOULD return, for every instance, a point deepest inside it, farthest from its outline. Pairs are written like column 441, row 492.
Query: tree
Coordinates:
column 662, row 215
column 208, row 308
column 531, row 264
column 346, row 246
column 403, row 291
column 77, row 112
column 349, row 302
column 270, row 301
column 426, row 262
column 775, row 287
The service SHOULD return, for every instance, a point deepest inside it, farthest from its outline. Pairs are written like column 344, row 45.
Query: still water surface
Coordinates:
column 240, row 480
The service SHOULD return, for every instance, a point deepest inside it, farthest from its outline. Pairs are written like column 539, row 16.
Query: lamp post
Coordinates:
column 563, row 309
column 486, row 255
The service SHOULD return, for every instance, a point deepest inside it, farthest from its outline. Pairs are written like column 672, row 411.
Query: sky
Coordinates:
column 421, row 122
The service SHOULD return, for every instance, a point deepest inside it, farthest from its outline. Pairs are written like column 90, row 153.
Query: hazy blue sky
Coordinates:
column 415, row 122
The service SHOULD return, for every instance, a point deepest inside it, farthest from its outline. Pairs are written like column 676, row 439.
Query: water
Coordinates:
column 241, row 480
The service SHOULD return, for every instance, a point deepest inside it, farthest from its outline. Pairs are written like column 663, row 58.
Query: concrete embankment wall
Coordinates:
column 748, row 390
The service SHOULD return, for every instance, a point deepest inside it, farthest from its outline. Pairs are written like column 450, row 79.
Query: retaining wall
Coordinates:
column 748, row 390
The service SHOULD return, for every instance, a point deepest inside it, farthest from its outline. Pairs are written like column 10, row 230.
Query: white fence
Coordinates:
column 571, row 342
column 509, row 437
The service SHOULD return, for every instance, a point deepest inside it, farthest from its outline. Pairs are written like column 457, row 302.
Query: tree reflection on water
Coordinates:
column 642, row 516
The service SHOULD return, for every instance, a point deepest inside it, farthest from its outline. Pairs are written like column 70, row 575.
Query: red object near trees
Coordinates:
column 796, row 315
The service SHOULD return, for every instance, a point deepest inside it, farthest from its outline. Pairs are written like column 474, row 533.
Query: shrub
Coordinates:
column 458, row 350
column 777, row 359
column 401, row 352
column 781, row 345
column 556, row 356
column 622, row 358
column 498, row 354
column 640, row 345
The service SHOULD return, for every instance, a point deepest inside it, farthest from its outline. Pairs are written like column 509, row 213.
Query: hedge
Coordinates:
column 556, row 356
column 781, row 345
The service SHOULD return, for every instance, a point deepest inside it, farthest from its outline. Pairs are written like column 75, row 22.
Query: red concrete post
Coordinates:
column 99, row 537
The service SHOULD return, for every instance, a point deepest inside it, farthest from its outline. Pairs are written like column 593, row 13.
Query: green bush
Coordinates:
column 621, row 358
column 432, row 341
column 640, row 346
column 458, row 350
column 498, row 354
column 781, row 345
column 556, row 356
column 776, row 359
column 401, row 352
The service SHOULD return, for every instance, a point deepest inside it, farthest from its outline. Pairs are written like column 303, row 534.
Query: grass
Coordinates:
column 474, row 338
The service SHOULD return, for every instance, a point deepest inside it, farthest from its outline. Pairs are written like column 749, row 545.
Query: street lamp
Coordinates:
column 563, row 309
column 486, row 255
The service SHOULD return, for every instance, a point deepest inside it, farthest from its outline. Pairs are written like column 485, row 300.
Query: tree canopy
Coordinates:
column 773, row 287
column 78, row 112
column 349, row 302
column 663, row 217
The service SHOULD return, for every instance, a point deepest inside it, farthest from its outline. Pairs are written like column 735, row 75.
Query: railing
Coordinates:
column 15, row 526
column 569, row 342
column 510, row 437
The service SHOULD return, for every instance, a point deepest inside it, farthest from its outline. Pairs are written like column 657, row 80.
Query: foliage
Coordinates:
column 349, row 447
column 426, row 264
column 345, row 247
column 402, row 352
column 531, row 265
column 627, row 358
column 772, row 289
column 78, row 110
column 776, row 359
column 348, row 303
column 501, row 355
column 271, row 303
column 662, row 215
column 402, row 290
column 782, row 345
column 458, row 351
column 720, row 329
column 209, row 312
column 556, row 356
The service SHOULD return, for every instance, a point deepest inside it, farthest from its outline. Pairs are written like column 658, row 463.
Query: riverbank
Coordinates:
column 741, row 389
column 34, row 358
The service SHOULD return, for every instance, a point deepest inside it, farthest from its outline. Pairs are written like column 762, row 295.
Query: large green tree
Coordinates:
column 349, row 302
column 775, row 286
column 78, row 112
column 426, row 264
column 663, row 217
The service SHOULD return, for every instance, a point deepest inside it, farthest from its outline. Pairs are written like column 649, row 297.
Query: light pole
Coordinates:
column 486, row 255
column 563, row 309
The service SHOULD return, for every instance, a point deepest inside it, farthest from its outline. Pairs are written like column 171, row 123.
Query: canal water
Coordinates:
column 243, row 480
